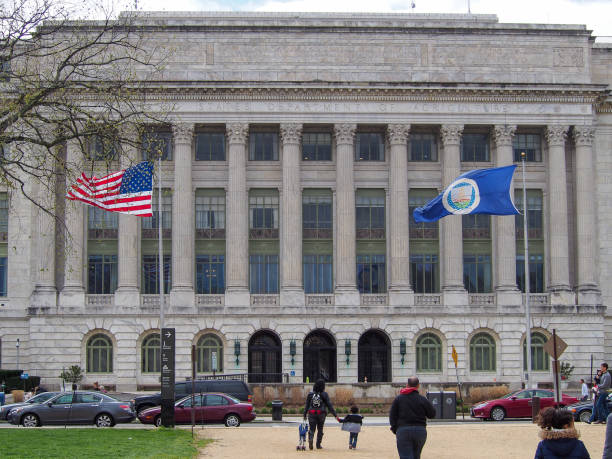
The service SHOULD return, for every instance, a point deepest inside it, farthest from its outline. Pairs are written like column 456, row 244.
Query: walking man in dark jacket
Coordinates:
column 408, row 420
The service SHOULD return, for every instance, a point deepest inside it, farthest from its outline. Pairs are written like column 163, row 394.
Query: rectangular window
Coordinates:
column 476, row 226
column 5, row 69
column 210, row 274
column 477, row 273
column 370, row 214
column 425, row 230
column 423, row 147
column 150, row 276
column 263, row 214
column 316, row 146
column 166, row 213
column 424, row 273
column 102, row 274
column 370, row 146
column 317, row 215
column 371, row 274
column 475, row 148
column 102, row 148
column 210, row 146
column 535, row 215
column 530, row 144
column 100, row 219
column 263, row 274
column 536, row 273
column 318, row 274
column 155, row 142
column 4, row 212
column 3, row 275
column 210, row 214
column 263, row 146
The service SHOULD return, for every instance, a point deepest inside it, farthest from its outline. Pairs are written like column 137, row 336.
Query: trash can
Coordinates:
column 449, row 405
column 436, row 400
column 277, row 410
column 535, row 408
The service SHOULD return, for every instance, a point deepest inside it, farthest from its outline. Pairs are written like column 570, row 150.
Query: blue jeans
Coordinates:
column 353, row 439
column 594, row 411
column 602, row 407
column 410, row 441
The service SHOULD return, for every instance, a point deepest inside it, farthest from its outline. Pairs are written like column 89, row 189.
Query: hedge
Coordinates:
column 13, row 382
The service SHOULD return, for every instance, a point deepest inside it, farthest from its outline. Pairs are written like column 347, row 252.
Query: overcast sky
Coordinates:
column 595, row 14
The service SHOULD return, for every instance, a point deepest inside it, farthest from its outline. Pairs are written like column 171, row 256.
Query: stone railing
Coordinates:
column 481, row 298
column 153, row 300
column 99, row 300
column 374, row 299
column 540, row 299
column 319, row 300
column 428, row 299
column 264, row 300
column 210, row 300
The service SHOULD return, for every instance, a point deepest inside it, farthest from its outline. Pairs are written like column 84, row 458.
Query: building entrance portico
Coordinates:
column 319, row 357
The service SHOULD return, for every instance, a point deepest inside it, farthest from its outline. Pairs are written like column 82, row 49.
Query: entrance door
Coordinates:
column 319, row 357
column 374, row 357
column 264, row 358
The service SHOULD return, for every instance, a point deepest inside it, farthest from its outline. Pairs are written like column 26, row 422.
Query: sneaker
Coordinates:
column 319, row 446
column 350, row 447
column 309, row 444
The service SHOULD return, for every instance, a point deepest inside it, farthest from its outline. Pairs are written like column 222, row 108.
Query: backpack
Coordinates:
column 316, row 402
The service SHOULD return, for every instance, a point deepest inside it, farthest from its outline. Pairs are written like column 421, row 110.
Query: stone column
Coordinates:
column 73, row 293
column 346, row 289
column 557, row 217
column 127, row 294
column 183, row 228
column 237, row 248
column 400, row 293
column 588, row 290
column 450, row 226
column 292, row 290
column 505, row 237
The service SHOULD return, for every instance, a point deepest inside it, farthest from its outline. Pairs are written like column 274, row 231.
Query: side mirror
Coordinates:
column 50, row 404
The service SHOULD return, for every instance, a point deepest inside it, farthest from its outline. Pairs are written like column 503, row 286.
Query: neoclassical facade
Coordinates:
column 298, row 147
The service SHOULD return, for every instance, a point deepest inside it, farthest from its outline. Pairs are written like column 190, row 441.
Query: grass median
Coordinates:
column 98, row 443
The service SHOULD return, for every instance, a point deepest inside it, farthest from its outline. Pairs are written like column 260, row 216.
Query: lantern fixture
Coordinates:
column 292, row 351
column 347, row 350
column 237, row 351
column 402, row 349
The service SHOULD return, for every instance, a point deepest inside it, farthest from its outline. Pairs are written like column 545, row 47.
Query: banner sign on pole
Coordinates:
column 454, row 355
column 167, row 376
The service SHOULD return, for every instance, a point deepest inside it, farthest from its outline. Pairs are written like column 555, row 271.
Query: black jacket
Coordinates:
column 410, row 409
column 327, row 404
column 356, row 418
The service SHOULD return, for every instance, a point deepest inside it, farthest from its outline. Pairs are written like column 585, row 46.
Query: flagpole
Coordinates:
column 160, row 271
column 527, row 306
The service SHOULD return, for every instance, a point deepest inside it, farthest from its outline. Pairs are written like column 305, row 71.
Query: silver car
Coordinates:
column 40, row 398
column 74, row 408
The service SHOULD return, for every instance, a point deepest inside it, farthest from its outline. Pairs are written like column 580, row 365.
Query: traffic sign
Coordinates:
column 24, row 376
column 549, row 347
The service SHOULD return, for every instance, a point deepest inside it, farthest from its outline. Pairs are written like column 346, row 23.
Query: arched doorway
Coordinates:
column 319, row 356
column 374, row 357
column 265, row 354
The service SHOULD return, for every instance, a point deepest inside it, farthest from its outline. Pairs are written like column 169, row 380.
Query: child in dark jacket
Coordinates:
column 559, row 437
column 352, row 423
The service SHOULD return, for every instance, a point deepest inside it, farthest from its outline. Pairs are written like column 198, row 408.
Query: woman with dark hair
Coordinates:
column 559, row 436
column 317, row 404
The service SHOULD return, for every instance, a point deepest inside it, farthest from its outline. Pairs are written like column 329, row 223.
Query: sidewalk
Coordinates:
column 368, row 419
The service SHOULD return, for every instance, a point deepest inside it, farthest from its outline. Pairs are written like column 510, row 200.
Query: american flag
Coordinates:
column 128, row 191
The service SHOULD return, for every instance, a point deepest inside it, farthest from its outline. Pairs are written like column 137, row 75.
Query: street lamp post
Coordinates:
column 17, row 347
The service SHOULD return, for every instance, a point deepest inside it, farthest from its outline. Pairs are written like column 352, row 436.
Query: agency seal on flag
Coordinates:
column 461, row 197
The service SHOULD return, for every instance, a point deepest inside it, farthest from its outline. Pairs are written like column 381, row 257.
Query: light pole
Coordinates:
column 17, row 347
column 528, row 383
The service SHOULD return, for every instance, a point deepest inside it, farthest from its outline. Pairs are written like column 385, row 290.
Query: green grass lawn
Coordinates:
column 98, row 443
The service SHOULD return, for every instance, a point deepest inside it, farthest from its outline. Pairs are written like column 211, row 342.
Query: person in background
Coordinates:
column 594, row 389
column 96, row 386
column 585, row 390
column 602, row 400
column 352, row 422
column 559, row 436
column 607, row 452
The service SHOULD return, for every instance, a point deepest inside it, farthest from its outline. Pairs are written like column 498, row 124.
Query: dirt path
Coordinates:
column 470, row 441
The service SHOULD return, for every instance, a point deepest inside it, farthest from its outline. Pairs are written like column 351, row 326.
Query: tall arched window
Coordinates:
column 482, row 352
column 429, row 353
column 209, row 352
column 539, row 357
column 265, row 358
column 151, row 353
column 99, row 354
column 319, row 356
column 374, row 357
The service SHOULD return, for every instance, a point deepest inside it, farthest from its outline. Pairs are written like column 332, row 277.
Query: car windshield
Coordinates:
column 511, row 394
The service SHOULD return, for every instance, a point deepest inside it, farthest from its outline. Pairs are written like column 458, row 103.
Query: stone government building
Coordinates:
column 300, row 145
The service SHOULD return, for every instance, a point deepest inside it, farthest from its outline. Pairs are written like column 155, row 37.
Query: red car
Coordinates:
column 517, row 404
column 208, row 408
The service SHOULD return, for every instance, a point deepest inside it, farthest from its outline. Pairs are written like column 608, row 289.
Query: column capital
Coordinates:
column 237, row 132
column 398, row 134
column 291, row 133
column 503, row 134
column 345, row 133
column 182, row 132
column 451, row 134
column 584, row 135
column 556, row 134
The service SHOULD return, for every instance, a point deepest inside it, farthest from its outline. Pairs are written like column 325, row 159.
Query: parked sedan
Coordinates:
column 517, row 404
column 209, row 407
column 40, row 398
column 74, row 408
column 582, row 410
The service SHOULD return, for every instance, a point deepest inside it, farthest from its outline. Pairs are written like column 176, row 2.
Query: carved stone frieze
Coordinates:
column 291, row 133
column 237, row 132
column 503, row 134
column 584, row 135
column 345, row 133
column 451, row 134
column 556, row 134
column 182, row 132
column 398, row 134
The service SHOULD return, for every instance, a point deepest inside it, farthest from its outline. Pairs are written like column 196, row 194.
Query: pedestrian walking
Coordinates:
column 317, row 405
column 559, row 436
column 594, row 389
column 352, row 424
column 408, row 419
column 585, row 390
column 602, row 400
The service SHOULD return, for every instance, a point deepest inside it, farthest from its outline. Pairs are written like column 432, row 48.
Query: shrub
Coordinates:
column 12, row 381
column 479, row 394
column 344, row 396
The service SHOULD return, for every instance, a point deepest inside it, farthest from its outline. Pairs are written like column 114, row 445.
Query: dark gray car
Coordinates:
column 74, row 408
column 40, row 398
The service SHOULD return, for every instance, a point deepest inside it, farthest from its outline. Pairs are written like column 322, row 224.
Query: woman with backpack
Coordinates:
column 317, row 405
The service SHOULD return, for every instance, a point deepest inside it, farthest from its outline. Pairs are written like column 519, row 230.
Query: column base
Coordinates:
column 72, row 297
column 182, row 298
column 589, row 295
column 347, row 297
column 454, row 296
column 292, row 298
column 237, row 298
column 127, row 298
column 44, row 297
column 562, row 295
column 401, row 298
column 509, row 297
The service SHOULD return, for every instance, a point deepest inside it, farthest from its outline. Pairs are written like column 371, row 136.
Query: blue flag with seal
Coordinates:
column 481, row 191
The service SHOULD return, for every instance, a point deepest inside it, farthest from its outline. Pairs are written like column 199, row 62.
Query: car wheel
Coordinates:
column 30, row 420
column 232, row 420
column 157, row 421
column 585, row 415
column 498, row 413
column 104, row 420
